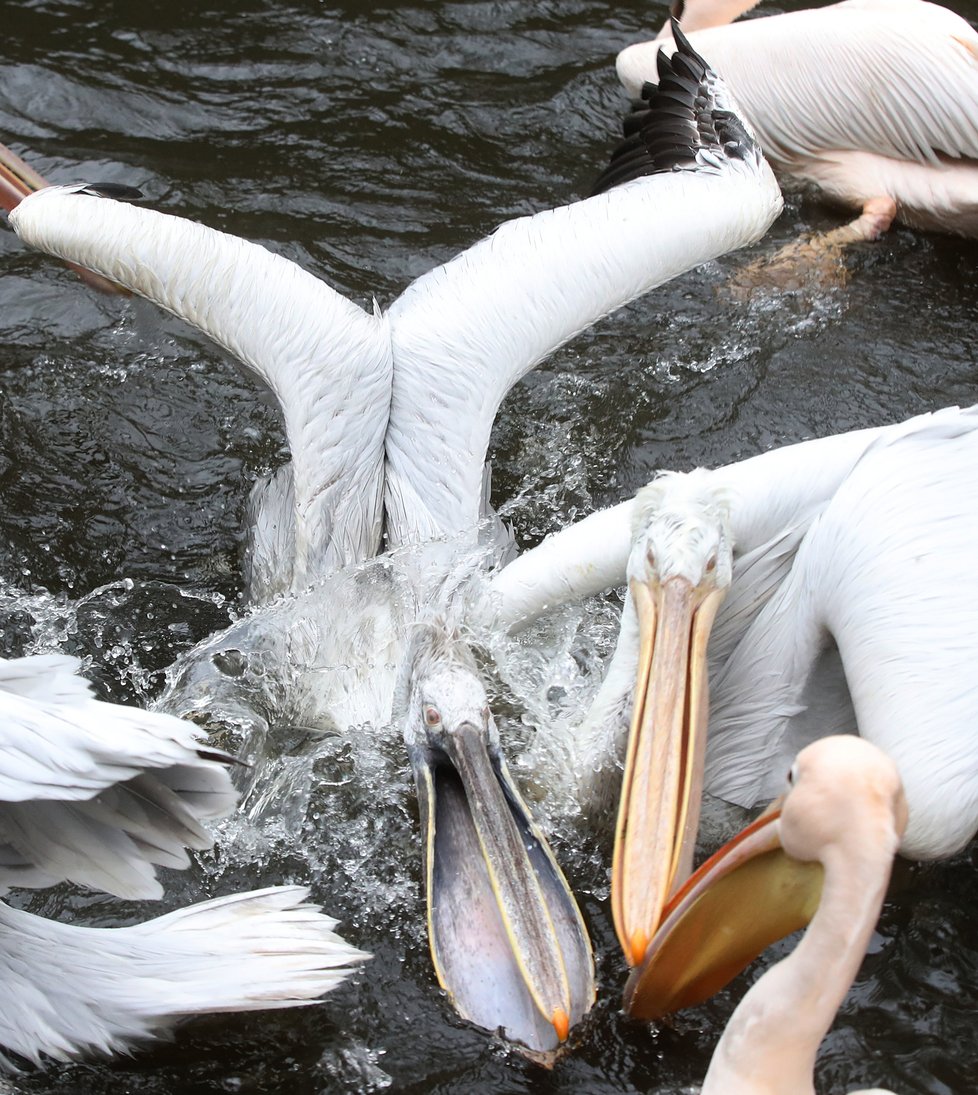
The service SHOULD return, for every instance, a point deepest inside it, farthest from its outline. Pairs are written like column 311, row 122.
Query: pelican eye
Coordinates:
column 711, row 564
column 792, row 775
column 432, row 716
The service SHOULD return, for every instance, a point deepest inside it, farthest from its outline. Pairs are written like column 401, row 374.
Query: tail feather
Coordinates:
column 73, row 990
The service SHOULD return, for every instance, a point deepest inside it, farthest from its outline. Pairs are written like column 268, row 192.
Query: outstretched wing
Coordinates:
column 690, row 186
column 326, row 360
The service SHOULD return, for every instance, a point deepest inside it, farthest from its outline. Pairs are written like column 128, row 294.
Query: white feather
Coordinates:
column 863, row 98
column 96, row 793
column 388, row 418
column 71, row 990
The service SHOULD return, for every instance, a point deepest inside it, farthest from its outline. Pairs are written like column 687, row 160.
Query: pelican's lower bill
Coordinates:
column 745, row 897
column 507, row 939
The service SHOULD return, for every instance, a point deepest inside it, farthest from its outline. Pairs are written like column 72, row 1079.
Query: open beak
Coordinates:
column 658, row 813
column 507, row 939
column 744, row 898
column 17, row 180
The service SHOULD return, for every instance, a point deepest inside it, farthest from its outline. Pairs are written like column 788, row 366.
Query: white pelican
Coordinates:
column 98, row 794
column 853, row 607
column 482, row 924
column 875, row 102
column 388, row 417
column 831, row 843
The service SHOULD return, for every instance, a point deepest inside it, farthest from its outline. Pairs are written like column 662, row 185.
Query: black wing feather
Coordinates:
column 675, row 120
column 118, row 191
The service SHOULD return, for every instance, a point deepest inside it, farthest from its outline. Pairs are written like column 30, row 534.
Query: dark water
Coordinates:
column 368, row 143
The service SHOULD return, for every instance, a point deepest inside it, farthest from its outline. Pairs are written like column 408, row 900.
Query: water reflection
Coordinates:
column 368, row 145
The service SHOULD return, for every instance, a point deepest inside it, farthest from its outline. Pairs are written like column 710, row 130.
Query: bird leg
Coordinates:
column 875, row 219
column 817, row 261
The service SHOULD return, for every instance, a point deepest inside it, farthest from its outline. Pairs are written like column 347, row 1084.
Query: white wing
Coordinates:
column 464, row 333
column 96, row 793
column 886, row 572
column 894, row 77
column 52, row 678
column 773, row 498
column 72, row 990
column 580, row 561
column 327, row 361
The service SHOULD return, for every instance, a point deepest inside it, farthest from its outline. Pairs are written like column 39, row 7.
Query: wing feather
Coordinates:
column 464, row 333
column 71, row 990
column 98, row 794
column 327, row 361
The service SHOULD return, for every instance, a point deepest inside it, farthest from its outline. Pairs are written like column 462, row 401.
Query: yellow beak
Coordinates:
column 744, row 898
column 658, row 813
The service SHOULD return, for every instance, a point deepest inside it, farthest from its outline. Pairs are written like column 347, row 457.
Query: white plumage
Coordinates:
column 873, row 101
column 388, row 416
column 852, row 606
column 95, row 793
column 72, row 990
column 99, row 794
column 388, row 420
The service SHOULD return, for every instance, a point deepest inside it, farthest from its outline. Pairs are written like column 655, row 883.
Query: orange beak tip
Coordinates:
column 638, row 944
column 561, row 1023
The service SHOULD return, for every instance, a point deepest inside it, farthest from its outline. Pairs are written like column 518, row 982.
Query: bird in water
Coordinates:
column 99, row 795
column 824, row 587
column 829, row 844
column 472, row 819
column 387, row 417
column 896, row 136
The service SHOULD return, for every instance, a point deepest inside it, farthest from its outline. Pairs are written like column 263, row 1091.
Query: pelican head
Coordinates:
column 678, row 572
column 842, row 820
column 508, row 942
column 840, row 786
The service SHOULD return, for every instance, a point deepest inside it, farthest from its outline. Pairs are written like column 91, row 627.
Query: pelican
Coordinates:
column 99, row 794
column 897, row 138
column 831, row 842
column 473, row 818
column 851, row 606
column 388, row 416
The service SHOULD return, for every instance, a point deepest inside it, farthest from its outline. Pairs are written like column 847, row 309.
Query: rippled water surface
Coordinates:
column 369, row 142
